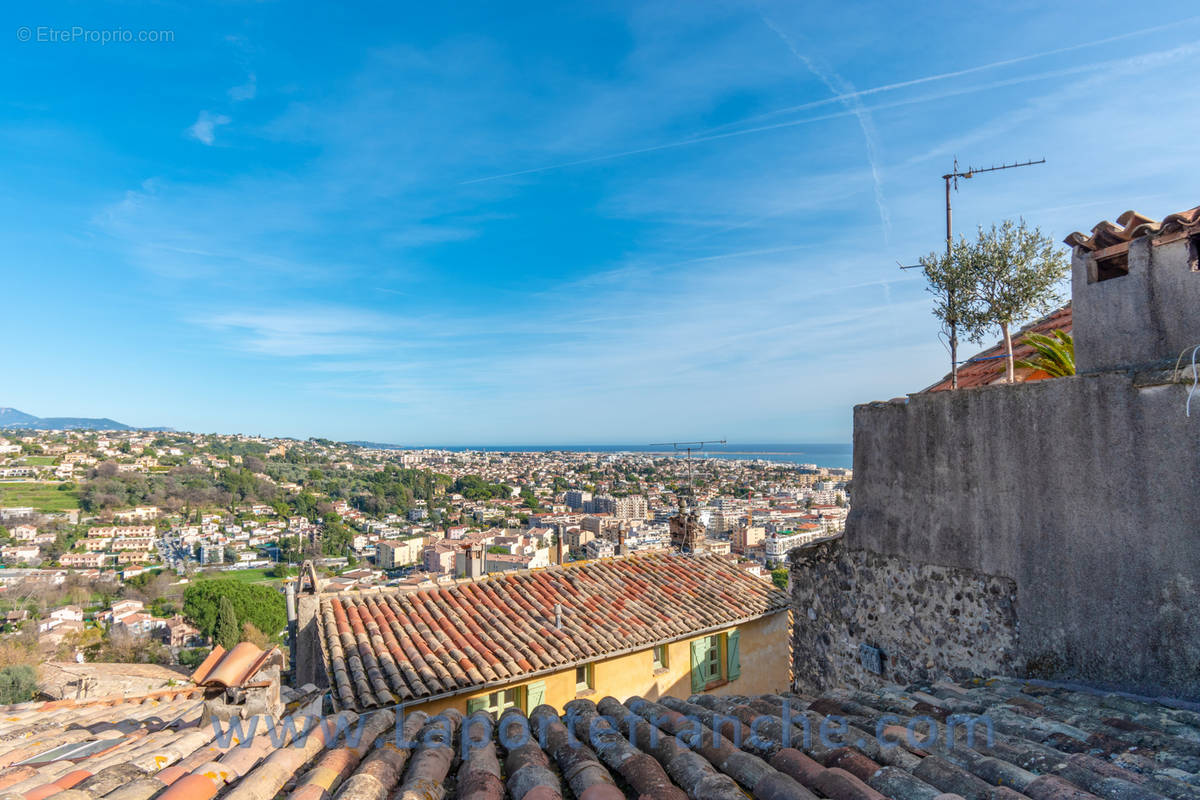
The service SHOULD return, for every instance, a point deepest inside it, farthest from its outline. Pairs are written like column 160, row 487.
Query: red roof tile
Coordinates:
column 987, row 367
column 234, row 667
column 1132, row 225
column 383, row 648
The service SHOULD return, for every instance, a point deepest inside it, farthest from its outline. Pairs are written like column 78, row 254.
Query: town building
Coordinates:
column 636, row 626
column 778, row 544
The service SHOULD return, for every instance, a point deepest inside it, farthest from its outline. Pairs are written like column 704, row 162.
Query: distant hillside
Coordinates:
column 12, row 419
column 378, row 446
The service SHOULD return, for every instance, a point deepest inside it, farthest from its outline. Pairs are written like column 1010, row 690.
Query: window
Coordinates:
column 496, row 702
column 583, row 679
column 715, row 659
column 660, row 656
column 1107, row 268
column 535, row 695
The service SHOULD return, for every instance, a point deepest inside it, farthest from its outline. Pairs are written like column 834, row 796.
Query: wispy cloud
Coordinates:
column 245, row 91
column 844, row 89
column 204, row 129
column 303, row 331
column 362, row 259
column 842, row 97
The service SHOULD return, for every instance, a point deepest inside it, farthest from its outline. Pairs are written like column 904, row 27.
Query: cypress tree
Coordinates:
column 226, row 633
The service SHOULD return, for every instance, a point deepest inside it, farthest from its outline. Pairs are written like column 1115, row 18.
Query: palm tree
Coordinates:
column 1055, row 354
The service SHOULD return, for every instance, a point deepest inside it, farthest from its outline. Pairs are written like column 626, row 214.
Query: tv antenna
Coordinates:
column 951, row 179
column 688, row 447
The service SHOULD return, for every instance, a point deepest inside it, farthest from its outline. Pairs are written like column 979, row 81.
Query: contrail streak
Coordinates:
column 955, row 73
column 926, row 98
column 853, row 102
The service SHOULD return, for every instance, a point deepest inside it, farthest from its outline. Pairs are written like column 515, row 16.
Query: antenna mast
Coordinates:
column 688, row 447
column 952, row 177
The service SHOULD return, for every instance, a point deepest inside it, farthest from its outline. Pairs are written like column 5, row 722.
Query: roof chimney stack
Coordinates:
column 1135, row 288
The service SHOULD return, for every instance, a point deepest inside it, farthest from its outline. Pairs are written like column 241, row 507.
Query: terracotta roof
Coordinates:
column 389, row 647
column 987, row 367
column 234, row 667
column 1132, row 225
column 1049, row 743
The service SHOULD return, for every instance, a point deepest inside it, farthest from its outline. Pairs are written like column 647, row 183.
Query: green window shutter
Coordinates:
column 733, row 663
column 699, row 652
column 476, row 704
column 535, row 695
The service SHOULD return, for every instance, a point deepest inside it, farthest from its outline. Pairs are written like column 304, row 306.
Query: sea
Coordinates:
column 823, row 455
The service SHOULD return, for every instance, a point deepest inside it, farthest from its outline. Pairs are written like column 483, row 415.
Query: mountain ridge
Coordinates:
column 15, row 419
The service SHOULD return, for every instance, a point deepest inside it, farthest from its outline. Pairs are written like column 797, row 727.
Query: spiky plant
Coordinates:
column 1055, row 354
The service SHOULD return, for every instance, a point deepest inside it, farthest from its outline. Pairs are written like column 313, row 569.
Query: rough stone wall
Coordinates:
column 927, row 620
column 1084, row 490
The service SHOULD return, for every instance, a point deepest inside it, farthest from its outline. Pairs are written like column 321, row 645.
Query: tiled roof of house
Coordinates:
column 987, row 367
column 388, row 647
column 1132, row 225
column 1048, row 743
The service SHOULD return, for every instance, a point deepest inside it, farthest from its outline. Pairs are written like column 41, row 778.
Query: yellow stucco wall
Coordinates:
column 766, row 667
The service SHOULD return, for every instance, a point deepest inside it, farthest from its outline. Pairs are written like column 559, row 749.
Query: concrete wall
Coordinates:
column 764, row 646
column 1085, row 491
column 1150, row 314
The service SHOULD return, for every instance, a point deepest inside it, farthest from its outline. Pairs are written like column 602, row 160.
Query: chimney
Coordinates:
column 558, row 543
column 621, row 540
column 474, row 561
column 1135, row 288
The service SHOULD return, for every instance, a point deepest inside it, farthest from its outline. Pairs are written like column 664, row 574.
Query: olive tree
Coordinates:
column 952, row 284
column 1015, row 273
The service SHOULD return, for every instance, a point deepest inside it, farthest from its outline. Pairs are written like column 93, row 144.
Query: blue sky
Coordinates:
column 589, row 223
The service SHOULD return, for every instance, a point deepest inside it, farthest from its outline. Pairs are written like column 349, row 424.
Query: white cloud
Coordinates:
column 303, row 331
column 205, row 127
column 246, row 91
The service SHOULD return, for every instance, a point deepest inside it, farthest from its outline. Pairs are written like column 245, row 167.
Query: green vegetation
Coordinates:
column 250, row 576
column 1017, row 273
column 473, row 487
column 1007, row 275
column 779, row 577
column 225, row 632
column 47, row 497
column 17, row 684
column 258, row 604
column 192, row 656
column 181, row 488
column 40, row 461
column 1055, row 354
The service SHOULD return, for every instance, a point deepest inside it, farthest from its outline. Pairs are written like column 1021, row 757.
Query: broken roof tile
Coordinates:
column 1132, row 225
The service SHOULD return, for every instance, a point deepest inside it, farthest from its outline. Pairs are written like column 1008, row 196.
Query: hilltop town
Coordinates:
column 544, row 626
column 116, row 524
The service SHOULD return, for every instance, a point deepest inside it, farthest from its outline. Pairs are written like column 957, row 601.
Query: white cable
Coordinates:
column 1187, row 409
column 1176, row 375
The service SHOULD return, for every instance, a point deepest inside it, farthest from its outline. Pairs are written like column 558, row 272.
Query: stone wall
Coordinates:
column 927, row 620
column 1085, row 491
